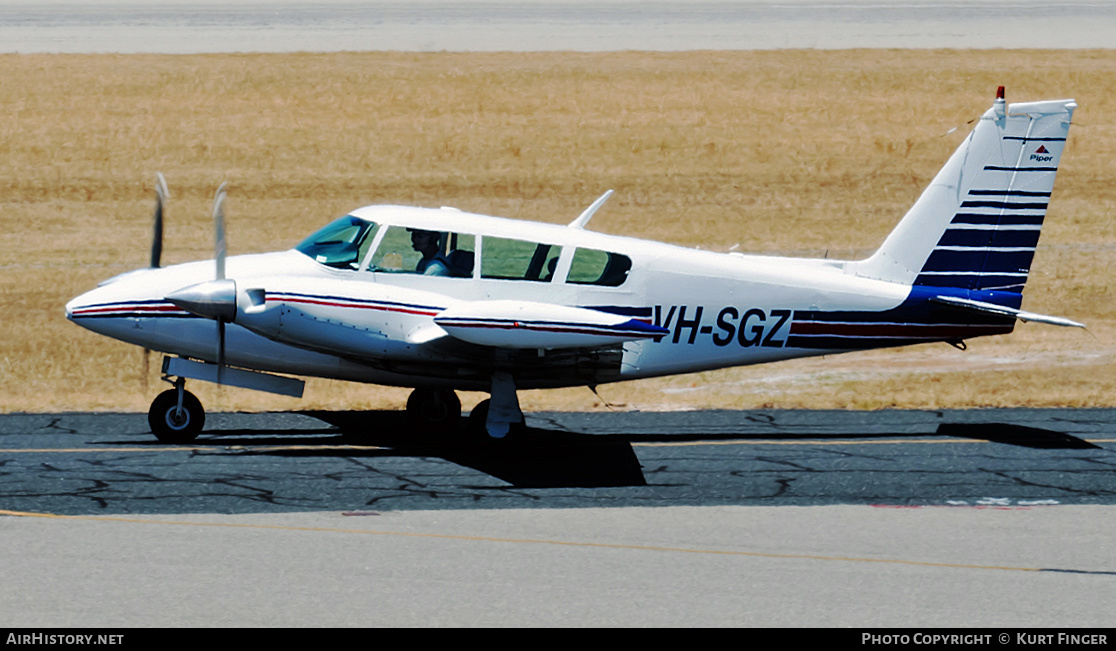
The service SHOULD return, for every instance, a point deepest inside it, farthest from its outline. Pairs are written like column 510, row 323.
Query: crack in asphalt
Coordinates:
column 784, row 485
column 55, row 424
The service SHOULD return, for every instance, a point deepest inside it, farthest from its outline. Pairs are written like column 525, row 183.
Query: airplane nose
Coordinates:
column 212, row 299
column 84, row 305
column 122, row 295
column 70, row 308
column 94, row 310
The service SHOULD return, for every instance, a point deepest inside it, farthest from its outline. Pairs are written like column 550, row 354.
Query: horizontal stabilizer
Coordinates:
column 992, row 308
column 526, row 324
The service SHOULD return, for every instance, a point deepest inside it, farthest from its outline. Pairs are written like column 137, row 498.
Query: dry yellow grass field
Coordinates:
column 792, row 152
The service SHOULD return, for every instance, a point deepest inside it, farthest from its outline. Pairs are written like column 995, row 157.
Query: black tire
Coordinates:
column 434, row 409
column 477, row 418
column 170, row 427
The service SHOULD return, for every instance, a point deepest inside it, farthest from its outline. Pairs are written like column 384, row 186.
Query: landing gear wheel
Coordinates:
column 477, row 418
column 171, row 425
column 434, row 409
column 478, row 424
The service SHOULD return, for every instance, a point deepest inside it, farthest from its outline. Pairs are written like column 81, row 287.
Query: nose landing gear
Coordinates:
column 176, row 415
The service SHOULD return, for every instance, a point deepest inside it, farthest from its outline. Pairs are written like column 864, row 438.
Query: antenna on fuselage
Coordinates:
column 585, row 216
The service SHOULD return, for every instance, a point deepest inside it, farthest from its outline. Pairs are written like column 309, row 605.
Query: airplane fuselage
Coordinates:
column 297, row 315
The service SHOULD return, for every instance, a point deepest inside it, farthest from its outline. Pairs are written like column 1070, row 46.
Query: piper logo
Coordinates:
column 1042, row 154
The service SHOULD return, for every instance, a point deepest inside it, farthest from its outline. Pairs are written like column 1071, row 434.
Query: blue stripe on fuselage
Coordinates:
column 917, row 319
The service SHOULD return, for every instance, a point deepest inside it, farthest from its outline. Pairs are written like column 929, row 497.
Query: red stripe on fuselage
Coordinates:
column 128, row 309
column 328, row 303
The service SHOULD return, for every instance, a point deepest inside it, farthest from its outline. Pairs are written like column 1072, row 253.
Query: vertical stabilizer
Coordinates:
column 977, row 225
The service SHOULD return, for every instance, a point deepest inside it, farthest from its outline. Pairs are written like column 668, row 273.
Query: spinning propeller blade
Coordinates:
column 213, row 299
column 161, row 196
column 219, row 253
column 221, row 247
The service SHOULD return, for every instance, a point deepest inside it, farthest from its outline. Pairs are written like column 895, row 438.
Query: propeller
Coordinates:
column 220, row 250
column 213, row 299
column 161, row 196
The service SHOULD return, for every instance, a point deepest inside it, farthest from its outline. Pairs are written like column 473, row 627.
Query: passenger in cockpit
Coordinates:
column 428, row 243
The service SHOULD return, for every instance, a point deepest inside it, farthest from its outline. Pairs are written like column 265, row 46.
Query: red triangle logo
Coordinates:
column 1042, row 150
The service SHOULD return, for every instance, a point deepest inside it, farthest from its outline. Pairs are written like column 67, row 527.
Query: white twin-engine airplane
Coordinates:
column 441, row 300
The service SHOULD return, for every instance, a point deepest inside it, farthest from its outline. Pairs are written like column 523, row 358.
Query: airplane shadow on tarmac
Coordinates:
column 552, row 458
column 1021, row 435
column 531, row 458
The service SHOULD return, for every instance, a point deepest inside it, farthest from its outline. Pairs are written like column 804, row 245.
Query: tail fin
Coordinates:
column 977, row 225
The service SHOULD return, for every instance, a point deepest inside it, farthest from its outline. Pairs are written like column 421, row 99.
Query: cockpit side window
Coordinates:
column 430, row 253
column 593, row 267
column 507, row 259
column 341, row 244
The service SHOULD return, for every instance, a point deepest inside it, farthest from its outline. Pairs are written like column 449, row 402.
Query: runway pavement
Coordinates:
column 776, row 518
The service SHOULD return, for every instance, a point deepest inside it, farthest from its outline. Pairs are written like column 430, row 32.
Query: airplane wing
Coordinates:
column 527, row 324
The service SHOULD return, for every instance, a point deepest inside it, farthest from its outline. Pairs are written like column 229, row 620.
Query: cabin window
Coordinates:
column 507, row 259
column 429, row 253
column 593, row 267
column 460, row 254
column 342, row 243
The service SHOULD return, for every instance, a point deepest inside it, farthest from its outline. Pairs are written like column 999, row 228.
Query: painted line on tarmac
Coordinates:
column 201, row 448
column 833, row 442
column 667, row 444
column 661, row 444
column 563, row 543
column 277, row 448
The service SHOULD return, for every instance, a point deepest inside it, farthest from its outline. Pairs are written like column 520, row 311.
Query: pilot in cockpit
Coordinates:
column 428, row 243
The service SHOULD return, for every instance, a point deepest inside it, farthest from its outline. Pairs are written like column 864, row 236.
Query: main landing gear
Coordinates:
column 176, row 415
column 439, row 410
column 434, row 409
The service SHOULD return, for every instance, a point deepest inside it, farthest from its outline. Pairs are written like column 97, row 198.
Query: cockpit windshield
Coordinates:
column 341, row 243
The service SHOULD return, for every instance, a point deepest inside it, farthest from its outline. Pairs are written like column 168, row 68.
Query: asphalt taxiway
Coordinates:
column 777, row 518
column 326, row 461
